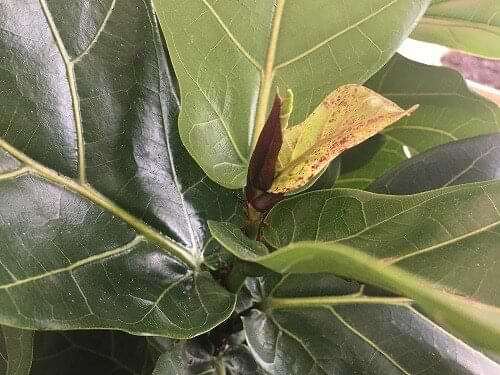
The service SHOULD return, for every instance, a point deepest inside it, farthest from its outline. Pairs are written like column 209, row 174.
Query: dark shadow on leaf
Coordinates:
column 358, row 156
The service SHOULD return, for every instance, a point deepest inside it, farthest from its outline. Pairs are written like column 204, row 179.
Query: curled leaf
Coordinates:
column 263, row 161
column 348, row 116
column 262, row 168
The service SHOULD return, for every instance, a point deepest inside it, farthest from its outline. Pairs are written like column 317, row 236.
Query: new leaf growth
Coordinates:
column 290, row 158
column 348, row 116
column 261, row 171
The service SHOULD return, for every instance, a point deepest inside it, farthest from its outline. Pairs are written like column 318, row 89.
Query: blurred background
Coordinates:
column 482, row 75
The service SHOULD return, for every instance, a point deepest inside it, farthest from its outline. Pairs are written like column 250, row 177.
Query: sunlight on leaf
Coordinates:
column 348, row 116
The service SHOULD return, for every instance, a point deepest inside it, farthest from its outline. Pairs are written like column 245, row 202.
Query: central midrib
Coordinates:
column 167, row 244
column 81, row 186
column 75, row 100
column 267, row 74
column 269, row 69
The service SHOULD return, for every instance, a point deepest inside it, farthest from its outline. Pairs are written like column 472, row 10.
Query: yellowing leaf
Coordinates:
column 286, row 108
column 348, row 116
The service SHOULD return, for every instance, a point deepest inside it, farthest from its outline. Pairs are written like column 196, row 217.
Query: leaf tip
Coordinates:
column 411, row 110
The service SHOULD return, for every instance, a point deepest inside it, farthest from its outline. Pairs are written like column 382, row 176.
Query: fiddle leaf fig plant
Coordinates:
column 231, row 55
column 246, row 187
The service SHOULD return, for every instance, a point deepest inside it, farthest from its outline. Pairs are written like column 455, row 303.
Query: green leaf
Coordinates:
column 438, row 248
column 16, row 351
column 470, row 26
column 91, row 352
column 102, row 211
column 460, row 162
column 448, row 112
column 193, row 358
column 320, row 324
column 231, row 56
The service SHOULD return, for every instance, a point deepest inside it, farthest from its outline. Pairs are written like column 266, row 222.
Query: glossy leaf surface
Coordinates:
column 100, row 226
column 446, row 237
column 438, row 248
column 469, row 26
column 460, row 162
column 320, row 324
column 231, row 56
column 447, row 112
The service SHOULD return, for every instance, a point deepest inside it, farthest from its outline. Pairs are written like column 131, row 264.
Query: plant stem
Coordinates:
column 86, row 191
column 295, row 303
column 267, row 74
column 253, row 222
column 220, row 368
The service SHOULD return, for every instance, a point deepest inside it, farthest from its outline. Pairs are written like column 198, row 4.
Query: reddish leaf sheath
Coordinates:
column 263, row 161
column 264, row 201
column 262, row 165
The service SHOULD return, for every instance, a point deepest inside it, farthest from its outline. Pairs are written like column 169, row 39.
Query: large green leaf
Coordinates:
column 468, row 160
column 320, row 324
column 470, row 26
column 448, row 111
column 230, row 56
column 438, row 248
column 91, row 352
column 102, row 211
column 16, row 351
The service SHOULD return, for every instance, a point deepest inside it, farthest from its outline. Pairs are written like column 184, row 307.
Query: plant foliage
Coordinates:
column 151, row 218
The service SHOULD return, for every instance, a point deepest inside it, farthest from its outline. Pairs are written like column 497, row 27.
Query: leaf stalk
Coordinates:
column 304, row 302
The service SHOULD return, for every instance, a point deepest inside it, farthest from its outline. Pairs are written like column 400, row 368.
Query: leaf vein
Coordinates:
column 166, row 243
column 78, row 58
column 212, row 105
column 195, row 242
column 415, row 127
column 231, row 36
column 366, row 339
column 299, row 341
column 445, row 243
column 70, row 72
column 328, row 40
column 474, row 162
column 107, row 254
column 14, row 174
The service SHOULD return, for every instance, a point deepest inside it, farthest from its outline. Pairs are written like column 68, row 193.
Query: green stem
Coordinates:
column 267, row 74
column 220, row 368
column 295, row 303
column 253, row 222
column 85, row 190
